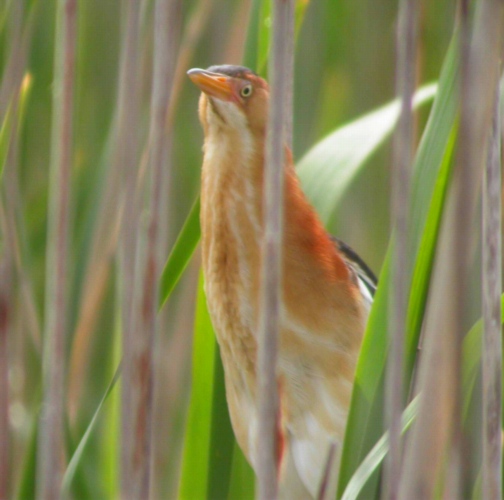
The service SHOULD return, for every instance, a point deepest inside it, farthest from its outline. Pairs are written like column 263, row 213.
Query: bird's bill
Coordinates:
column 213, row 84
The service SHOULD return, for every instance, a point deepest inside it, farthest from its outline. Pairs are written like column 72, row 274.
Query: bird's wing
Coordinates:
column 316, row 455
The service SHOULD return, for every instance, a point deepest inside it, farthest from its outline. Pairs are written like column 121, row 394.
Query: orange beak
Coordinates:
column 213, row 84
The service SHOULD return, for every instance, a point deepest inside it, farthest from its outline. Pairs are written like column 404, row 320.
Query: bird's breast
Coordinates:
column 231, row 232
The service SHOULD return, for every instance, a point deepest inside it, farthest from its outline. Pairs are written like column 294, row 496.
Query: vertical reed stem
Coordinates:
column 271, row 268
column 166, row 22
column 5, row 303
column 50, row 449
column 126, row 158
column 492, row 340
column 406, row 48
column 480, row 52
column 289, row 73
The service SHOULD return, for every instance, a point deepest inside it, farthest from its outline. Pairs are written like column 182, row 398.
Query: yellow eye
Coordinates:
column 246, row 91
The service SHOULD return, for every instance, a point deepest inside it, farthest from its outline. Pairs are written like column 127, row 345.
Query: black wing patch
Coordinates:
column 361, row 269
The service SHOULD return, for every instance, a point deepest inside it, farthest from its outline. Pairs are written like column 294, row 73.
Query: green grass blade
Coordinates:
column 5, row 134
column 195, row 463
column 436, row 147
column 375, row 457
column 112, row 425
column 210, row 449
column 425, row 258
column 329, row 167
column 79, row 451
column 250, row 58
column 6, row 128
column 27, row 482
column 181, row 253
column 264, row 23
column 221, row 437
column 263, row 41
column 432, row 147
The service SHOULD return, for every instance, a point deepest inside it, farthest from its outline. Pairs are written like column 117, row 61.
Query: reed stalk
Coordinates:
column 492, row 338
column 406, row 52
column 50, row 445
column 271, row 251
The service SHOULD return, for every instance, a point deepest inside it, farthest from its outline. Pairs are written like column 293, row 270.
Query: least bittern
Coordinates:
column 327, row 289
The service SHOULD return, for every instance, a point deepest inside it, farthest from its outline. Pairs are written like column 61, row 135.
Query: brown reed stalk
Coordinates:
column 492, row 340
column 126, row 160
column 289, row 76
column 5, row 315
column 271, row 267
column 166, row 23
column 50, row 445
column 480, row 72
column 406, row 52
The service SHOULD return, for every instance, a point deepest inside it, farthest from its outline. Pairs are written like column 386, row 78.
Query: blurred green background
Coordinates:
column 344, row 67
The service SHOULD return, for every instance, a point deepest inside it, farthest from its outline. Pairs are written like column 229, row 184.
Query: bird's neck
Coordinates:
column 232, row 205
column 231, row 202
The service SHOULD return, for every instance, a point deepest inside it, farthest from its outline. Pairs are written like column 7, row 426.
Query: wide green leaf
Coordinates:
column 329, row 167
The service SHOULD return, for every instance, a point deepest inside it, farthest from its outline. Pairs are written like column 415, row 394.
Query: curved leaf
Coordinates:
column 328, row 168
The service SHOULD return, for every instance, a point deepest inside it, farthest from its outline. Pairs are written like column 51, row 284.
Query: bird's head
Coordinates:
column 233, row 98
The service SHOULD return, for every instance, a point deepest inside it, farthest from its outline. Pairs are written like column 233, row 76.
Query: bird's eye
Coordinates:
column 246, row 91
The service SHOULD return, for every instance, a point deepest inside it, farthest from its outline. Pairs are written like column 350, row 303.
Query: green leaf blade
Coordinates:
column 197, row 433
column 181, row 254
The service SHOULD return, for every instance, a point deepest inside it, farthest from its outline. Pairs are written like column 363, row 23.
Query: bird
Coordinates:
column 327, row 289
